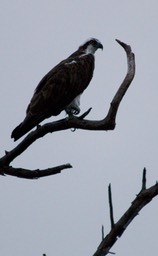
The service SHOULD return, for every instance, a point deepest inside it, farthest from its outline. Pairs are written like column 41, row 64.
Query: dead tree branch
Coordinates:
column 111, row 206
column 108, row 123
column 33, row 174
column 142, row 199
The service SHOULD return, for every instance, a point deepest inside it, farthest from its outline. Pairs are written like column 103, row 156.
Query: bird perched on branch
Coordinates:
column 60, row 89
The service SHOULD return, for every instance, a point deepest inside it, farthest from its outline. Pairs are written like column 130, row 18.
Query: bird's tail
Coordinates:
column 25, row 126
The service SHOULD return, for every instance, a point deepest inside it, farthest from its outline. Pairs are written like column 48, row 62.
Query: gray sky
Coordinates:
column 63, row 214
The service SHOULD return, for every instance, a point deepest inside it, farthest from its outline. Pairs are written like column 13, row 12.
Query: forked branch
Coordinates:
column 107, row 123
column 142, row 199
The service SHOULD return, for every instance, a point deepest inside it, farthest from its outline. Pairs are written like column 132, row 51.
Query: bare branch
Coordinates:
column 102, row 232
column 141, row 200
column 111, row 206
column 108, row 123
column 32, row 174
column 144, row 179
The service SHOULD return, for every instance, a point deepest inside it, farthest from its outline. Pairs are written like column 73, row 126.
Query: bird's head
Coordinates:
column 90, row 46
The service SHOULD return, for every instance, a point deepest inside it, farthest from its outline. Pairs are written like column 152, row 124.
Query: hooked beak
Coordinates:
column 100, row 46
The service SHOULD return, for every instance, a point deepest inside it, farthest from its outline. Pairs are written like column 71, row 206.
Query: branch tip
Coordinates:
column 85, row 114
column 102, row 231
column 144, row 179
column 126, row 47
column 68, row 165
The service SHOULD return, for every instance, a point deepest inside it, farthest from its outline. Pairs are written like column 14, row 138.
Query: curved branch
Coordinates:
column 141, row 200
column 108, row 123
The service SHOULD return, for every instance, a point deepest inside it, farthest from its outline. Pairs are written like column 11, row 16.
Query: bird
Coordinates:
column 60, row 89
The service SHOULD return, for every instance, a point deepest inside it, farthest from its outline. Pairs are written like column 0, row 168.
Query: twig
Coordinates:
column 85, row 114
column 111, row 206
column 102, row 231
column 144, row 179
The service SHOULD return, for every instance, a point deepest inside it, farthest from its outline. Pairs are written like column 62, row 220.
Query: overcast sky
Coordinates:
column 63, row 214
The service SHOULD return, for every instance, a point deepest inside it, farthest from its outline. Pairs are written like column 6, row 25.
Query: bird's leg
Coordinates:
column 73, row 107
column 72, row 110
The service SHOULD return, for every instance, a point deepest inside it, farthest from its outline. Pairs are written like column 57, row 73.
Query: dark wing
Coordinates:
column 56, row 91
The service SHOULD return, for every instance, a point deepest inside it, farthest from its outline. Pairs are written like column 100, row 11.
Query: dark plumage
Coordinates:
column 60, row 88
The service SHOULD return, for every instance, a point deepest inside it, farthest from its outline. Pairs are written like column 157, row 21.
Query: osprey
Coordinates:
column 60, row 88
